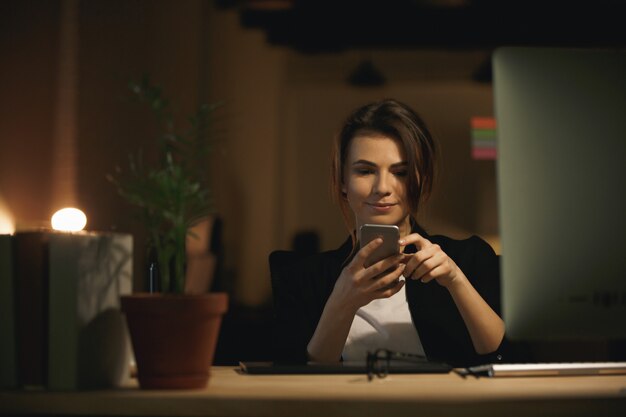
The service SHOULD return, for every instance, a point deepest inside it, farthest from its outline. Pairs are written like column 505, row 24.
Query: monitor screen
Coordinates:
column 561, row 128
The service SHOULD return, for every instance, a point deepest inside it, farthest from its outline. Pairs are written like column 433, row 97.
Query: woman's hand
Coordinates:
column 358, row 285
column 429, row 262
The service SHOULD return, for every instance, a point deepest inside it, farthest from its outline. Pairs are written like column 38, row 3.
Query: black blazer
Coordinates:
column 301, row 288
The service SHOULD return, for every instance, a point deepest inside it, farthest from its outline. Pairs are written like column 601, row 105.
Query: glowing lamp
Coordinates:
column 6, row 225
column 69, row 220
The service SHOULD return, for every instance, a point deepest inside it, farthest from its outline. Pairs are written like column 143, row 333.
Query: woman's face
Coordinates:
column 374, row 181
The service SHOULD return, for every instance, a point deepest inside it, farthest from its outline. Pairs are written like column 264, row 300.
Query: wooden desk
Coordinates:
column 232, row 394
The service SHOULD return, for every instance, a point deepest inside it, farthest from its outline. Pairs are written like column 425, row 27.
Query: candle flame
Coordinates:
column 69, row 219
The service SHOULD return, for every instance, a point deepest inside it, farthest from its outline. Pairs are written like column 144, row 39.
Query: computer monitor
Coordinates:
column 561, row 169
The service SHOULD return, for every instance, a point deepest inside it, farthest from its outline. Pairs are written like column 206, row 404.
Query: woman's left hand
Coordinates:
column 429, row 262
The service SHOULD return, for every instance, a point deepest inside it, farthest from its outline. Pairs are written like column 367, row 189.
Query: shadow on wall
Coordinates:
column 246, row 333
column 306, row 242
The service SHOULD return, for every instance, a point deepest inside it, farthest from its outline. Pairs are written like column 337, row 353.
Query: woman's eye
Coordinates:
column 364, row 171
column 400, row 173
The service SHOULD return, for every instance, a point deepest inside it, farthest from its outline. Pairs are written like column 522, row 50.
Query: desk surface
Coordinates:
column 230, row 393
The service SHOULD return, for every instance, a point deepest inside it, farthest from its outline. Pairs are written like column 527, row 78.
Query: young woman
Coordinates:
column 437, row 297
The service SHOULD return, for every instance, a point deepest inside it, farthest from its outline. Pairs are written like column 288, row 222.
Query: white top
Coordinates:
column 383, row 323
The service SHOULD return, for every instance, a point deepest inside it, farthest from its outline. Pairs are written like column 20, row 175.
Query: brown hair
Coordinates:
column 398, row 121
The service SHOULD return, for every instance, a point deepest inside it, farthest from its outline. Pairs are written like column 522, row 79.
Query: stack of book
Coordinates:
column 60, row 322
column 484, row 144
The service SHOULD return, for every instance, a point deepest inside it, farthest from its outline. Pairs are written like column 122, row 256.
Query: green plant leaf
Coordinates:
column 172, row 194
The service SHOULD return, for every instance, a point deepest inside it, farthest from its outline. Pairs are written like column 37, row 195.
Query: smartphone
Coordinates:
column 390, row 235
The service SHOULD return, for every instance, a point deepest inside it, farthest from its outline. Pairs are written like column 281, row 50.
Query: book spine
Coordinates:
column 31, row 307
column 8, row 359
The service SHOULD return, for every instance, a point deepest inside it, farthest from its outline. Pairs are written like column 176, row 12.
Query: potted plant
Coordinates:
column 173, row 333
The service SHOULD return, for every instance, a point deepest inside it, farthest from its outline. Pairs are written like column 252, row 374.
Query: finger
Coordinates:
column 416, row 260
column 411, row 265
column 414, row 238
column 392, row 290
column 433, row 274
column 366, row 251
column 387, row 280
column 383, row 266
column 428, row 265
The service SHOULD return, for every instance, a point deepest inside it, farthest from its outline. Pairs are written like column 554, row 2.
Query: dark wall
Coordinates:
column 116, row 41
column 29, row 33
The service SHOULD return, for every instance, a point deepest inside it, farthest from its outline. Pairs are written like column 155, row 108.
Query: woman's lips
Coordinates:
column 381, row 207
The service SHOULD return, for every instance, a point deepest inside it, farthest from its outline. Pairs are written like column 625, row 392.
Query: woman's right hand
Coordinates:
column 358, row 285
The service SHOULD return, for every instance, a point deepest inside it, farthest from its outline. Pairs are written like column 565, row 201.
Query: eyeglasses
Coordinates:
column 379, row 361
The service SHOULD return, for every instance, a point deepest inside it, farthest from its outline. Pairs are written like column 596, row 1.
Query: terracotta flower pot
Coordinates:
column 174, row 337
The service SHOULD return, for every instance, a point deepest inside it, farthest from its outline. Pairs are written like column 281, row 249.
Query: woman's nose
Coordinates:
column 382, row 184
